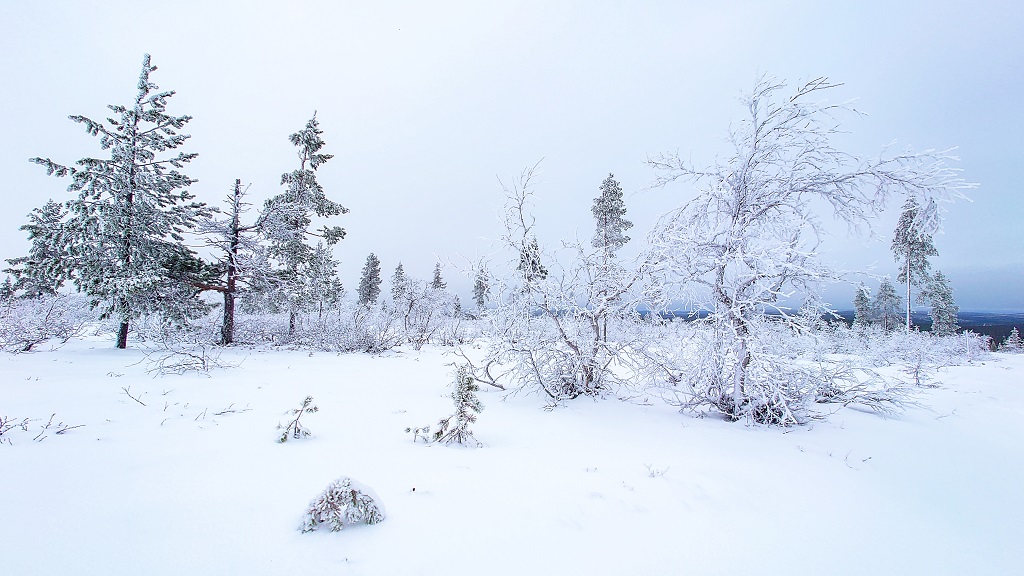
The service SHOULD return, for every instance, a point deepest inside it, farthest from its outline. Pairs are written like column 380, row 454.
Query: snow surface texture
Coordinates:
column 594, row 487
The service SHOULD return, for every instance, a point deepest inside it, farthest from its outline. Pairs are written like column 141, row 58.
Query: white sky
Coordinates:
column 425, row 103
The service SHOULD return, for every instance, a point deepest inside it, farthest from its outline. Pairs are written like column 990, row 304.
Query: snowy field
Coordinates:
column 594, row 487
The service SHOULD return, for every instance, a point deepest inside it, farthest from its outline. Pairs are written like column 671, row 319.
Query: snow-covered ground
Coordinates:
column 594, row 487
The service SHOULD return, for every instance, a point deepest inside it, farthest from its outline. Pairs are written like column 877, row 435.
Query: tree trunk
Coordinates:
column 122, row 335
column 908, row 293
column 227, row 329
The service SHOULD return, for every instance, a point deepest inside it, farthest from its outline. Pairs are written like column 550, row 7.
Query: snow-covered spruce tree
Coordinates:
column 608, row 211
column 944, row 311
column 481, row 288
column 369, row 281
column 455, row 428
column 862, row 316
column 43, row 270
column 241, row 260
column 344, row 502
column 122, row 239
column 287, row 219
column 399, row 283
column 885, row 308
column 438, row 282
column 1013, row 343
column 750, row 237
column 911, row 246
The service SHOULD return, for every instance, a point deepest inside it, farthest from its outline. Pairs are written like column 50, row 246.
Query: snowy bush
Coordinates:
column 27, row 322
column 295, row 429
column 345, row 501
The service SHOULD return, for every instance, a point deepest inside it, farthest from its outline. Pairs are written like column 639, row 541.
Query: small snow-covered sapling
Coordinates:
column 294, row 428
column 455, row 428
column 345, row 501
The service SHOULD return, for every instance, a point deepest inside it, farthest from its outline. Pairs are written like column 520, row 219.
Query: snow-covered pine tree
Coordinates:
column 43, row 270
column 911, row 247
column 481, row 289
column 1013, row 342
column 608, row 211
column 241, row 260
column 944, row 310
column 438, row 283
column 862, row 307
column 467, row 406
column 886, row 306
column 369, row 281
column 122, row 239
column 288, row 216
column 530, row 265
column 322, row 286
column 399, row 284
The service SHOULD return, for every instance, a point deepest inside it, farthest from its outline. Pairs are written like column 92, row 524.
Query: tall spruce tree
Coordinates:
column 911, row 247
column 438, row 283
column 608, row 210
column 289, row 215
column 609, row 236
column 369, row 281
column 862, row 307
column 481, row 289
column 886, row 305
column 399, row 284
column 944, row 310
column 122, row 239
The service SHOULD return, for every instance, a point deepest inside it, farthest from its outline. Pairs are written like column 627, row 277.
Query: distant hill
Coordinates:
column 996, row 325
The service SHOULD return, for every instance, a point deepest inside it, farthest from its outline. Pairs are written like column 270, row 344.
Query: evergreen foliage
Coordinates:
column 911, row 247
column 530, row 265
column 944, row 310
column 438, row 283
column 399, row 284
column 287, row 219
column 1013, row 342
column 862, row 314
column 122, row 240
column 481, row 289
column 295, row 429
column 43, row 270
column 608, row 210
column 345, row 501
column 369, row 281
column 886, row 306
column 455, row 428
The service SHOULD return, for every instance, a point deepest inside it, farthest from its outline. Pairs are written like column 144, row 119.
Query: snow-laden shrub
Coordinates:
column 27, row 322
column 345, row 501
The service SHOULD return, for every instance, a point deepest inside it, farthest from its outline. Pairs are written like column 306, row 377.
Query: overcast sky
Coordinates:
column 425, row 104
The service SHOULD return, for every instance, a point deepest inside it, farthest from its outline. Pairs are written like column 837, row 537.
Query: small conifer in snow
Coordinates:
column 294, row 428
column 345, row 501
column 1013, row 342
column 438, row 283
column 369, row 281
column 455, row 428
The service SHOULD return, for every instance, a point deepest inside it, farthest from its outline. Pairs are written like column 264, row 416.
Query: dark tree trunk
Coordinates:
column 227, row 330
column 122, row 335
